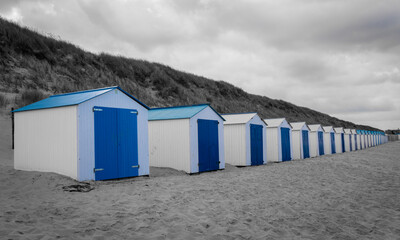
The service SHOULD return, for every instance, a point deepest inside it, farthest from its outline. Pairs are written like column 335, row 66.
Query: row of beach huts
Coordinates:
column 106, row 133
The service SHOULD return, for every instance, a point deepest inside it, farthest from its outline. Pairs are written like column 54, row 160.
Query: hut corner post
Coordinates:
column 12, row 127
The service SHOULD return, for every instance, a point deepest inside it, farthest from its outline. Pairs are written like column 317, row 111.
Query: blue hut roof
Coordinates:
column 74, row 98
column 178, row 112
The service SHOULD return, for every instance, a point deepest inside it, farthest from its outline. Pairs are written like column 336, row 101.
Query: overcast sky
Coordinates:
column 340, row 57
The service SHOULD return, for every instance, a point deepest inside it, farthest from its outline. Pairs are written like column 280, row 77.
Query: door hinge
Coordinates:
column 136, row 166
column 135, row 112
column 97, row 169
column 97, row 109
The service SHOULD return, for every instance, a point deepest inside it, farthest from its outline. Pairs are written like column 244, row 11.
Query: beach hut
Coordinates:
column 354, row 139
column 89, row 135
column 316, row 140
column 245, row 139
column 186, row 138
column 339, row 140
column 329, row 140
column 279, row 140
column 301, row 140
column 347, row 140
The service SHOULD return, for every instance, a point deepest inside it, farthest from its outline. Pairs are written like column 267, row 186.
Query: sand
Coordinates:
column 344, row 196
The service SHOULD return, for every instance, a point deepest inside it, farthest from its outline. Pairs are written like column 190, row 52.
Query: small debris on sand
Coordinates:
column 81, row 187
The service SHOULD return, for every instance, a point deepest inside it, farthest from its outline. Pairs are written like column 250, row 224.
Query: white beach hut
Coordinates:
column 187, row 138
column 279, row 140
column 339, row 140
column 329, row 140
column 245, row 139
column 301, row 140
column 316, row 140
column 354, row 139
column 348, row 140
column 89, row 135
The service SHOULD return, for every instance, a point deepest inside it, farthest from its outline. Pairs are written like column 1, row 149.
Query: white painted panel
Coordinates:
column 338, row 142
column 235, row 144
column 358, row 136
column 297, row 145
column 169, row 144
column 113, row 99
column 347, row 142
column 314, row 150
column 208, row 114
column 353, row 141
column 273, row 144
column 362, row 140
column 46, row 140
column 327, row 143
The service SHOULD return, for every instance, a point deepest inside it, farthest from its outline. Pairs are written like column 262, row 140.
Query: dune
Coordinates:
column 344, row 196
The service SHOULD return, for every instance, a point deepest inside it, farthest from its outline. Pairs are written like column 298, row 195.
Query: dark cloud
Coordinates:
column 338, row 57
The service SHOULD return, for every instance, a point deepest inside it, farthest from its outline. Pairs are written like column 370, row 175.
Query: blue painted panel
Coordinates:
column 127, row 143
column 106, row 151
column 321, row 143
column 256, row 144
column 285, row 141
column 208, row 145
column 116, row 143
column 306, row 147
column 355, row 141
column 333, row 147
column 351, row 147
column 343, row 145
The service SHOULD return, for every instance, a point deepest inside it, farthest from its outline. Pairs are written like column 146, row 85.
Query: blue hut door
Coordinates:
column 208, row 145
column 351, row 147
column 355, row 141
column 128, row 165
column 285, row 142
column 116, row 144
column 343, row 145
column 321, row 143
column 306, row 147
column 333, row 148
column 256, row 144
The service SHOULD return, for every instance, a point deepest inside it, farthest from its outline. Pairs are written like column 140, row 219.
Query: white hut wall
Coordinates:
column 46, row 140
column 169, row 144
column 235, row 144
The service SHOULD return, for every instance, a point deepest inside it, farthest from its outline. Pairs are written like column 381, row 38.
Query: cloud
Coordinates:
column 338, row 57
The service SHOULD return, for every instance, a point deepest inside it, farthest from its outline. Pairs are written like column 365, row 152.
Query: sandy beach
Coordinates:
column 344, row 196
